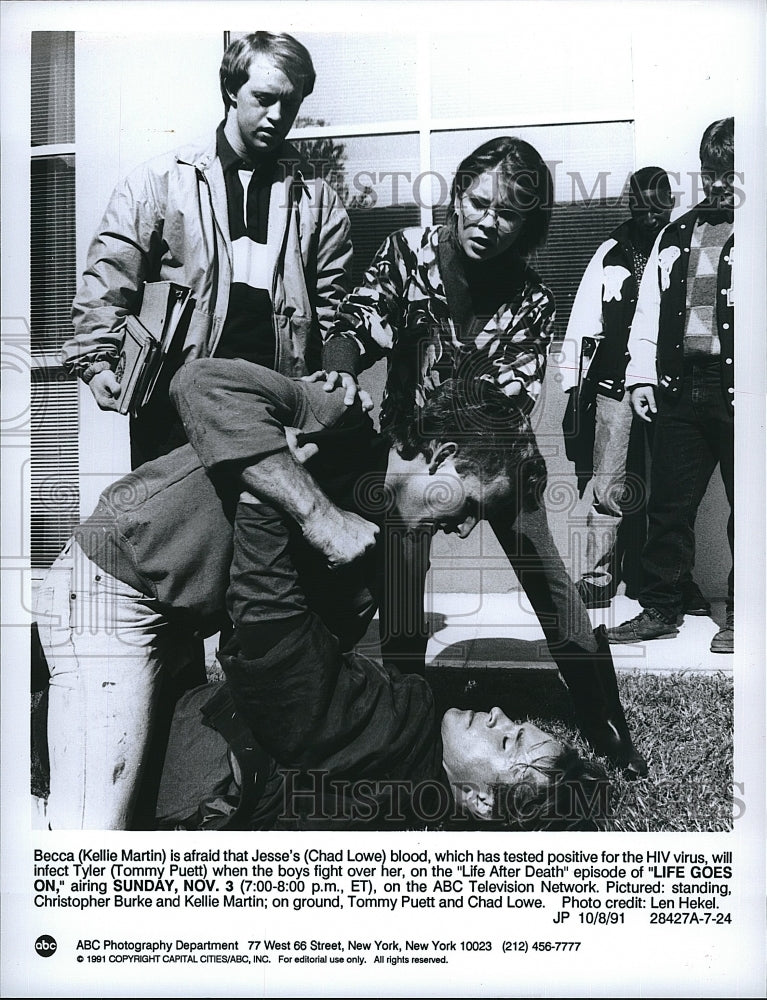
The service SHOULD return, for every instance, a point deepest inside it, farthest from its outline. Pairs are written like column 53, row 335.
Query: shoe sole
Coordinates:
column 697, row 612
column 652, row 638
column 730, row 650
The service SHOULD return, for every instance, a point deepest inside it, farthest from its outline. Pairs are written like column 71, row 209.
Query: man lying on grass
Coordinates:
column 358, row 742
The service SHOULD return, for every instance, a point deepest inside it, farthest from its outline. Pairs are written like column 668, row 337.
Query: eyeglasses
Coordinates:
column 506, row 219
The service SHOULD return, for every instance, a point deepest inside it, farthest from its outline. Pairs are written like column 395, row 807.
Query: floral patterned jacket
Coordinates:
column 416, row 311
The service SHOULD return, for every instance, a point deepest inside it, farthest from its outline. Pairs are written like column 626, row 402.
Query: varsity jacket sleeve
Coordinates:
column 368, row 320
column 643, row 338
column 334, row 259
column 585, row 319
column 118, row 262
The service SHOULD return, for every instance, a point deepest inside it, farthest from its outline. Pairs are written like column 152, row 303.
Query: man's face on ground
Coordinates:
column 266, row 106
column 482, row 749
column 433, row 493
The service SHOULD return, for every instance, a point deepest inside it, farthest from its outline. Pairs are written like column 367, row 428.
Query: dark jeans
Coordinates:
column 693, row 434
column 526, row 540
column 277, row 577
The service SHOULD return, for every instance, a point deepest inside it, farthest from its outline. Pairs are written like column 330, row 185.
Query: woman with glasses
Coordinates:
column 460, row 301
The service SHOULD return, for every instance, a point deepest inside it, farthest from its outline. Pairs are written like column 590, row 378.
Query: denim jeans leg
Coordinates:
column 722, row 437
column 611, row 442
column 682, row 464
column 404, row 560
column 105, row 644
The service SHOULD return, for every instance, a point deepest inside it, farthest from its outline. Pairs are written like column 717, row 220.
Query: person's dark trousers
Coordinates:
column 192, row 675
column 594, row 690
column 403, row 562
column 526, row 539
column 530, row 548
column 276, row 577
column 581, row 654
column 157, row 429
column 693, row 434
column 632, row 531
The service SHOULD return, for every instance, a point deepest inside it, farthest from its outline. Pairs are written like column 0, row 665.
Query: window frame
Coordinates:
column 49, row 460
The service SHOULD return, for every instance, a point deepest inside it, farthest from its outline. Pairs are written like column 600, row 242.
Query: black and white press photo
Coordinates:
column 374, row 426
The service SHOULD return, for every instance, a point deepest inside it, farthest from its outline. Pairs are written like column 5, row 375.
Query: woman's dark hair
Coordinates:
column 576, row 797
column 524, row 184
column 289, row 55
column 718, row 143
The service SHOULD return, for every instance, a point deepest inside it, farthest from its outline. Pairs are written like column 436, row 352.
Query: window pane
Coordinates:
column 575, row 233
column 361, row 78
column 586, row 161
column 53, row 87
column 377, row 178
column 55, row 498
column 534, row 65
column 52, row 250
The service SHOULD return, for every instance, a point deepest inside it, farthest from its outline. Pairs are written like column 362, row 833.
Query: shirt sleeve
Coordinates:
column 370, row 317
column 585, row 318
column 236, row 411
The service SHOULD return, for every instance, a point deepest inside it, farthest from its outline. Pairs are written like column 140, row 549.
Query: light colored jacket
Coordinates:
column 603, row 308
column 168, row 220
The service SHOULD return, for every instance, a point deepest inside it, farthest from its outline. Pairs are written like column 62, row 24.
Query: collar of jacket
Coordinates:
column 622, row 235
column 687, row 222
column 509, row 271
column 287, row 153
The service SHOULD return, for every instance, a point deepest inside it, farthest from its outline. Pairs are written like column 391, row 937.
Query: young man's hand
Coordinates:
column 643, row 402
column 106, row 390
column 301, row 453
column 339, row 535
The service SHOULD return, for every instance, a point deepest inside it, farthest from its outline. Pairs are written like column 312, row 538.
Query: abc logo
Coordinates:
column 45, row 946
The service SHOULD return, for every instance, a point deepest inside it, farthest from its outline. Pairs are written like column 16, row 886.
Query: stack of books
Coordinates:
column 150, row 339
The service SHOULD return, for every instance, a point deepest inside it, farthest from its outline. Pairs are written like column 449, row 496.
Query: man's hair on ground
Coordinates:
column 576, row 797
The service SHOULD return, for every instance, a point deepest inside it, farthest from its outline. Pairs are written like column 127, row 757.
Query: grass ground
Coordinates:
column 682, row 723
column 684, row 726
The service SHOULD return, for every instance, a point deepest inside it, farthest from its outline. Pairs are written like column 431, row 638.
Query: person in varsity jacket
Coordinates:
column 681, row 377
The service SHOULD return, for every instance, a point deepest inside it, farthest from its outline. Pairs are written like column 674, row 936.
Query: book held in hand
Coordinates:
column 150, row 338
